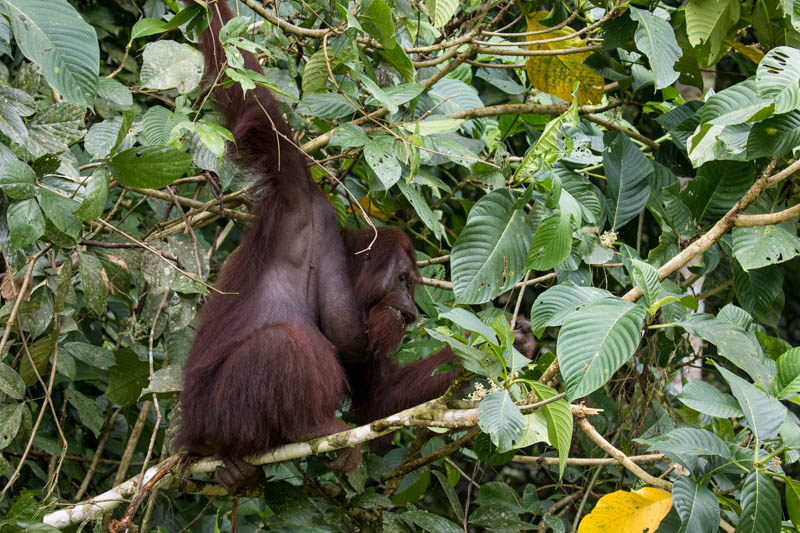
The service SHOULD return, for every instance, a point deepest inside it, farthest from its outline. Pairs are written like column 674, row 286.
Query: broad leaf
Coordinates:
column 696, row 505
column 760, row 246
column 717, row 187
column 789, row 373
column 556, row 304
column 637, row 510
column 708, row 399
column 379, row 154
column 490, row 254
column 685, row 445
column 777, row 78
column 761, row 505
column 646, row 277
column 17, row 180
column 708, row 22
column 627, row 187
column 93, row 282
column 552, row 242
column 52, row 34
column 764, row 414
column 735, row 105
column 171, row 65
column 441, row 11
column 149, row 166
column 776, row 136
column 25, row 222
column 501, row 419
column 559, row 423
column 376, row 17
column 655, row 38
column 595, row 341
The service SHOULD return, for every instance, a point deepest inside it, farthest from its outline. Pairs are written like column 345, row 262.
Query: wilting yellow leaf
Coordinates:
column 557, row 74
column 638, row 511
column 751, row 52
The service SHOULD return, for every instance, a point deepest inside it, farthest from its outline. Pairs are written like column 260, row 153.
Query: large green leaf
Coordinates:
column 735, row 105
column 759, row 246
column 11, row 383
column 89, row 412
column 15, row 104
column 171, row 65
column 93, row 282
column 627, row 188
column 149, row 166
column 646, row 277
column 708, row 21
column 717, row 187
column 696, row 505
column 559, row 423
column 430, row 522
column 554, row 305
column 126, row 378
column 501, row 419
column 54, row 128
column 793, row 500
column 761, row 505
column 758, row 288
column 733, row 343
column 17, row 180
column 764, row 414
column 379, row 154
column 777, row 78
column 552, row 242
column 25, row 222
column 775, row 136
column 708, row 399
column 655, row 38
column 788, row 373
column 490, row 254
column 376, row 17
column 595, row 341
column 441, row 11
column 52, row 34
column 685, row 445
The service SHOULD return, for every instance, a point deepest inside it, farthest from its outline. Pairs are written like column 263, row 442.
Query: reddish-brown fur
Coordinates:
column 310, row 320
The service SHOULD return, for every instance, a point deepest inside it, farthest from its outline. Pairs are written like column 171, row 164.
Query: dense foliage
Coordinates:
column 623, row 173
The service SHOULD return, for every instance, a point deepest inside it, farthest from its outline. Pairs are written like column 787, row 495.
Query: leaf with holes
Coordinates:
column 778, row 76
column 595, row 341
column 379, row 154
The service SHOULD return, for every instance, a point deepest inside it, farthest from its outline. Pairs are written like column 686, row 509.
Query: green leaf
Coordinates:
column 595, row 342
column 398, row 58
column 149, row 166
column 490, row 254
column 102, row 137
column 684, row 445
column 126, row 378
column 379, row 154
column 470, row 322
column 500, row 418
column 559, row 423
column 776, row 136
column 315, row 74
column 17, row 180
column 376, row 17
column 556, row 304
column 627, row 187
column 93, row 282
column 735, row 105
column 430, row 522
column 777, row 78
column 552, row 243
column 793, row 500
column 15, row 104
column 655, row 38
column 348, row 136
column 116, row 95
column 92, row 355
column 399, row 94
column 696, row 505
column 89, row 412
column 789, row 373
column 148, row 26
column 58, row 209
column 327, row 105
column 733, row 343
column 759, row 246
column 441, row 11
column 761, row 505
column 646, row 277
column 10, row 420
column 422, row 209
column 95, row 197
column 764, row 414
column 171, row 65
column 25, row 222
column 11, row 383
column 717, row 187
column 708, row 399
column 53, row 129
column 708, row 22
column 52, row 34
column 757, row 289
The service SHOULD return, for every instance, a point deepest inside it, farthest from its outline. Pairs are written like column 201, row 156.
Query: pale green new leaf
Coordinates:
column 559, row 423
column 552, row 242
column 708, row 21
column 441, row 11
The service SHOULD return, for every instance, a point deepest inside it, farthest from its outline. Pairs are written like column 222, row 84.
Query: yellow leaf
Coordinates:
column 751, row 52
column 638, row 511
column 557, row 75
